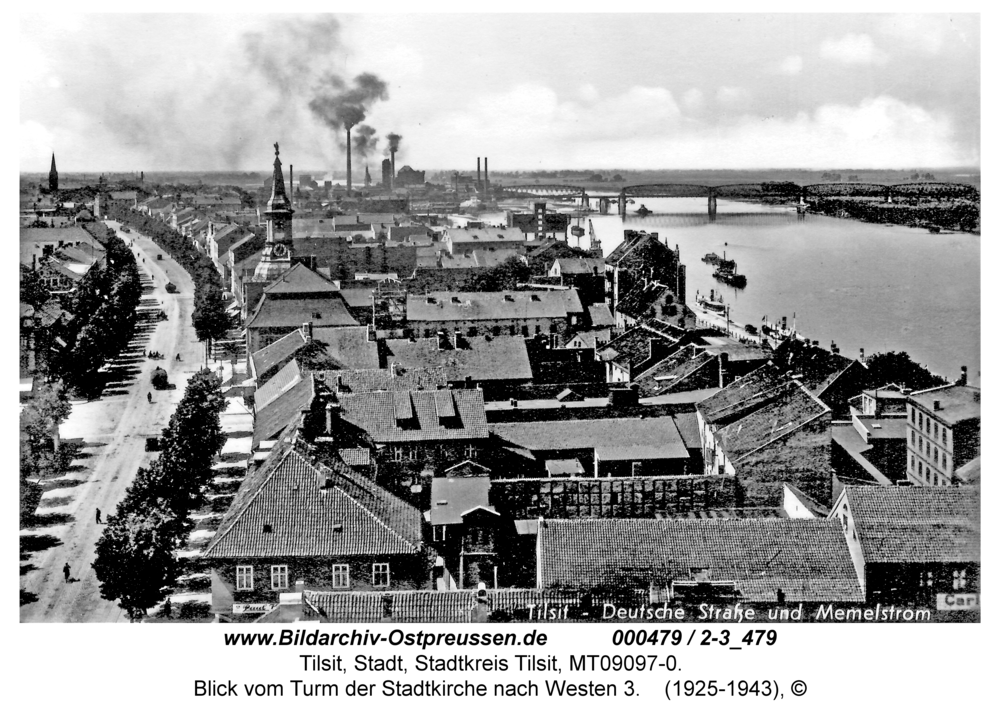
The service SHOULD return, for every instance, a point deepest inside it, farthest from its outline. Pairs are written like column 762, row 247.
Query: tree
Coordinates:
column 210, row 319
column 893, row 367
column 135, row 558
column 41, row 418
column 33, row 290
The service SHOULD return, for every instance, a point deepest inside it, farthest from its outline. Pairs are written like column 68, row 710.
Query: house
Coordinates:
column 766, row 432
column 832, row 378
column 460, row 240
column 295, row 520
column 585, row 274
column 540, row 223
column 348, row 347
column 870, row 446
column 641, row 256
column 297, row 297
column 498, row 365
column 762, row 561
column 465, row 528
column 494, row 313
column 647, row 299
column 914, row 545
column 607, row 447
column 942, row 433
column 640, row 348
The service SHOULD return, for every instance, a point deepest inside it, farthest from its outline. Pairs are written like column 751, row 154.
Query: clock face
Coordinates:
column 279, row 250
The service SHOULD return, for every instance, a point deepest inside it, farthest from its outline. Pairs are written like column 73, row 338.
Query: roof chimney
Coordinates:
column 964, row 378
column 307, row 331
column 937, row 405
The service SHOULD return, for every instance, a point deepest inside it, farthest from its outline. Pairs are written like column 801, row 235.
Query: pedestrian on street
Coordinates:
column 99, row 515
column 149, row 397
column 66, row 572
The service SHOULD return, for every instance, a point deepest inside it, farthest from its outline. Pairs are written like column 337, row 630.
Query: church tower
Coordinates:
column 53, row 176
column 277, row 257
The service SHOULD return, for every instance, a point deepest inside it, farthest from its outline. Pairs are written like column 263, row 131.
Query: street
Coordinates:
column 111, row 431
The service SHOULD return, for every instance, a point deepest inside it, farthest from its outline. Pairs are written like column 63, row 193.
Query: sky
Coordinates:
column 132, row 92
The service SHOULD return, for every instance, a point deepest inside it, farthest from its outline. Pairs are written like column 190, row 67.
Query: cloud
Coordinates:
column 924, row 33
column 693, row 100
column 791, row 65
column 853, row 49
column 588, row 93
column 731, row 96
column 529, row 127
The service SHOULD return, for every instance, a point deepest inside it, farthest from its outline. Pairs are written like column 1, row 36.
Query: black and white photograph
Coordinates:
column 524, row 318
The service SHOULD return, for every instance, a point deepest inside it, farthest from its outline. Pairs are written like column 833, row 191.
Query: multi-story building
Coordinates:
column 494, row 313
column 942, row 433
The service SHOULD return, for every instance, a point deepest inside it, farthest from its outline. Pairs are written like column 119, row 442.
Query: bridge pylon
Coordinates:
column 603, row 204
column 622, row 203
column 712, row 204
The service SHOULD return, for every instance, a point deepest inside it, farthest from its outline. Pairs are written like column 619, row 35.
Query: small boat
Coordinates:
column 711, row 303
column 731, row 278
column 711, row 258
column 643, row 211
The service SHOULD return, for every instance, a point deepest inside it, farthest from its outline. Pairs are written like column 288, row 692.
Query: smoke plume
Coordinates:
column 342, row 107
column 393, row 139
column 364, row 139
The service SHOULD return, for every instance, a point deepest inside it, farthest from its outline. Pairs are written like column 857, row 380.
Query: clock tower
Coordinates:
column 277, row 257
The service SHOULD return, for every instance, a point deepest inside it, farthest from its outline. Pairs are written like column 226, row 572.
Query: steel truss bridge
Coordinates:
column 788, row 192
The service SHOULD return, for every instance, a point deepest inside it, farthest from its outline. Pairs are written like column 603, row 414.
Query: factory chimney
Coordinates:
column 479, row 175
column 348, row 162
column 392, row 157
column 486, row 173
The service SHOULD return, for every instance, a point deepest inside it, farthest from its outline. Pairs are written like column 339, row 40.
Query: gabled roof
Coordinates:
column 454, row 497
column 415, row 416
column 580, row 265
column 640, row 298
column 323, row 310
column 300, row 280
column 285, row 509
column 742, row 394
column 349, row 346
column 609, row 438
column 600, row 316
column 633, row 346
column 283, row 410
column 790, row 408
column 670, row 373
column 284, row 380
column 366, row 380
column 479, row 306
column 807, row 559
column 814, row 367
column 480, row 357
column 276, row 352
column 916, row 524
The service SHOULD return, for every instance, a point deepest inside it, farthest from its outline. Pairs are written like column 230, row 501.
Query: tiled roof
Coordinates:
column 916, row 524
column 453, row 497
column 427, row 606
column 282, row 410
column 276, row 352
column 284, row 380
column 814, row 367
column 957, row 403
column 609, row 438
column 687, row 426
column 284, row 510
column 600, row 315
column 349, row 346
column 475, row 306
column 414, row 416
column 669, row 374
column 355, row 456
column 640, row 298
column 633, row 346
column 382, row 379
column 791, row 407
column 482, row 358
column 301, row 280
column 742, row 394
column 581, row 265
column 466, row 258
column 293, row 312
column 807, row 559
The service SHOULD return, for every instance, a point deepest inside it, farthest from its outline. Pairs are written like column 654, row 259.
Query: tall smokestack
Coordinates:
column 479, row 175
column 486, row 171
column 348, row 161
column 392, row 157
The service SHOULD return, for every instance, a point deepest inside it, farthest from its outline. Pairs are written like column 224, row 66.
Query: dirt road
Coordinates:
column 112, row 432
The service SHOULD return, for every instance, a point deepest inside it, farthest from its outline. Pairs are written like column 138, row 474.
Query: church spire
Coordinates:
column 53, row 175
column 279, row 199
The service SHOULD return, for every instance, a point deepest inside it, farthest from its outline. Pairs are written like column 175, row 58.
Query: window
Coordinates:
column 397, row 453
column 538, row 328
column 944, row 461
column 913, row 438
column 413, row 452
column 958, row 581
column 470, row 451
column 279, row 577
column 636, row 469
column 341, row 576
column 244, row 578
column 440, row 532
column 927, row 579
column 380, row 575
column 935, row 431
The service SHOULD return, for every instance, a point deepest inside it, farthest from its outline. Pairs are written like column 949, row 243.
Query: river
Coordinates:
column 861, row 285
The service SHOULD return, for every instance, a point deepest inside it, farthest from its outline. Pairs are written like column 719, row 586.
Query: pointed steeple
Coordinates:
column 53, row 175
column 279, row 199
